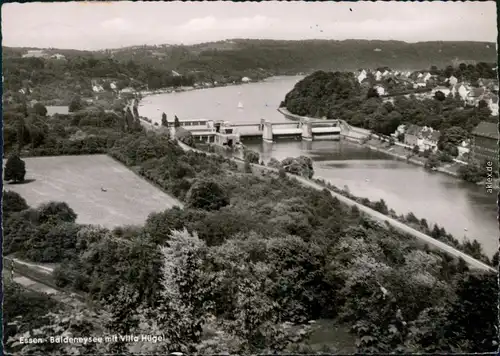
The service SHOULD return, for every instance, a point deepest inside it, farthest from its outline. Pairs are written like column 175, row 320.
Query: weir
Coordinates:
column 307, row 130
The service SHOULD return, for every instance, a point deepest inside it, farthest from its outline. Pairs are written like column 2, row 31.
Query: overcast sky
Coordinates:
column 117, row 24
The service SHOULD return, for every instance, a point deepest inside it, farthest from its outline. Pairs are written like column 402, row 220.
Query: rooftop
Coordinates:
column 413, row 130
column 486, row 129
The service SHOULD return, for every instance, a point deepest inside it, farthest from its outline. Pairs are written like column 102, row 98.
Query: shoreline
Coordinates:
column 359, row 137
column 409, row 159
column 375, row 215
column 172, row 90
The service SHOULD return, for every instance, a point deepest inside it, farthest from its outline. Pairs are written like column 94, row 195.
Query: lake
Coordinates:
column 463, row 209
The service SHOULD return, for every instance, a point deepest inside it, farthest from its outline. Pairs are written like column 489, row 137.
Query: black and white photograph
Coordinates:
column 245, row 178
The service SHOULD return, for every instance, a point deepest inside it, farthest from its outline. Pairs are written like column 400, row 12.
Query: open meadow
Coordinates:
column 77, row 180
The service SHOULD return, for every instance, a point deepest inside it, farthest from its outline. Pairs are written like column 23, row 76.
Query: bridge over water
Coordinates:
column 305, row 129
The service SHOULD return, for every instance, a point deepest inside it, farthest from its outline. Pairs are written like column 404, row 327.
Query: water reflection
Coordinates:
column 438, row 198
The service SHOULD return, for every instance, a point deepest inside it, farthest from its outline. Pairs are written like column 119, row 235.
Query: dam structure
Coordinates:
column 228, row 133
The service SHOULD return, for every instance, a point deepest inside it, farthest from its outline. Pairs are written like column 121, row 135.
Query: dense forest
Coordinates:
column 290, row 57
column 243, row 267
column 224, row 61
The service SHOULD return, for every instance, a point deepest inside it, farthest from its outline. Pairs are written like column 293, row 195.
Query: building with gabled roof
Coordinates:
column 485, row 142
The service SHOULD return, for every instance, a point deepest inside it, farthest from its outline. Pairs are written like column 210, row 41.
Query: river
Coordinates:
column 463, row 209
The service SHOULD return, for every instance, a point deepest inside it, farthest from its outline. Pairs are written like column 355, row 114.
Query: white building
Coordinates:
column 461, row 90
column 362, row 76
column 245, row 79
column 127, row 90
column 97, row 88
column 399, row 131
column 452, row 80
column 427, row 76
column 378, row 76
column 492, row 101
column 419, row 84
column 37, row 53
column 58, row 56
column 446, row 91
column 380, row 90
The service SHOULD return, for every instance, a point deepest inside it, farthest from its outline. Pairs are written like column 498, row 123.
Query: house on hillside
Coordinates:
column 427, row 76
column 452, row 80
column 420, row 83
column 474, row 96
column 58, row 56
column 463, row 149
column 488, row 83
column 127, row 90
column 96, row 88
column 380, row 90
column 430, row 139
column 492, row 101
column 461, row 90
column 37, row 53
column 400, row 131
column 485, row 142
column 412, row 135
column 362, row 76
column 57, row 110
column 446, row 91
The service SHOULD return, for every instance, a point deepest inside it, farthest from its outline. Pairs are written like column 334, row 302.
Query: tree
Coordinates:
column 15, row 169
column 415, row 149
column 164, row 121
column 13, row 202
column 439, row 95
column 106, row 86
column 75, row 104
column 56, row 212
column 432, row 162
column 301, row 166
column 40, row 109
column 372, row 93
column 247, row 167
column 176, row 122
column 251, row 156
column 206, row 195
column 472, row 326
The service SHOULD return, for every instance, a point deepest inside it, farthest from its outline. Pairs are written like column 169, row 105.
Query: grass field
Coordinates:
column 77, row 180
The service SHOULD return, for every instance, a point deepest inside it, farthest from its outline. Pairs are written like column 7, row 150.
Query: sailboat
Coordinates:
column 240, row 105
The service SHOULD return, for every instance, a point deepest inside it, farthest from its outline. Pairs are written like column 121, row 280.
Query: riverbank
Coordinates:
column 383, row 220
column 359, row 136
column 171, row 90
column 403, row 154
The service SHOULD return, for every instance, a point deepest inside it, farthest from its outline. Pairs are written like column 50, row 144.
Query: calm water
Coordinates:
column 440, row 199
